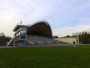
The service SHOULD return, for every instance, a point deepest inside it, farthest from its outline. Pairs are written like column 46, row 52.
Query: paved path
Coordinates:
column 43, row 45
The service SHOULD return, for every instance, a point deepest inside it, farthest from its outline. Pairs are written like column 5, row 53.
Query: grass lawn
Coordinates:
column 45, row 57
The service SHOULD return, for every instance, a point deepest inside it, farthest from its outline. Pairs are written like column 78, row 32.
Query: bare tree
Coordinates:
column 4, row 39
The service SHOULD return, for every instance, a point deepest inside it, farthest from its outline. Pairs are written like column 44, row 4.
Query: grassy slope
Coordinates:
column 45, row 57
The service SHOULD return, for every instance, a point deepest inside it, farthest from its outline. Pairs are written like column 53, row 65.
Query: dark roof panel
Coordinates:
column 40, row 28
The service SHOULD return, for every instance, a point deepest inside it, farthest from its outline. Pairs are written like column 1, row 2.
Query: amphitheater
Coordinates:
column 37, row 33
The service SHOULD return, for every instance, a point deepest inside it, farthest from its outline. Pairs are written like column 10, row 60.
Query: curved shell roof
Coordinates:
column 41, row 28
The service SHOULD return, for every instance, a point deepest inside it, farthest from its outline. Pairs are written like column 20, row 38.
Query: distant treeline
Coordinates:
column 84, row 37
column 4, row 39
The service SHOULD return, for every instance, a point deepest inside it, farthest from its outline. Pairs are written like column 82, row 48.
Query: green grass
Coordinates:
column 45, row 57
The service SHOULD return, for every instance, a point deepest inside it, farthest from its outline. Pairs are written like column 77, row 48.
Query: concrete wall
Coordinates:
column 71, row 40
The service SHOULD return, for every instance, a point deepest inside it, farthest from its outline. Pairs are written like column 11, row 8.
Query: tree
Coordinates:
column 55, row 36
column 67, row 36
column 4, row 39
column 84, row 37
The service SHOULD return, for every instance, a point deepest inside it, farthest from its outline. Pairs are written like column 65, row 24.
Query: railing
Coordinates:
column 11, row 42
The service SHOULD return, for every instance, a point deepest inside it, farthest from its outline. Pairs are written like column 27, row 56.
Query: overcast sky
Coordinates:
column 64, row 16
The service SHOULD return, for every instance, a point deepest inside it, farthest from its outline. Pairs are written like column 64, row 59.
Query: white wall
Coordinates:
column 68, row 40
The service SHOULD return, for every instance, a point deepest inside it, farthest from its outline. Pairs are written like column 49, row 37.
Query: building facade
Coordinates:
column 38, row 33
column 20, row 35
